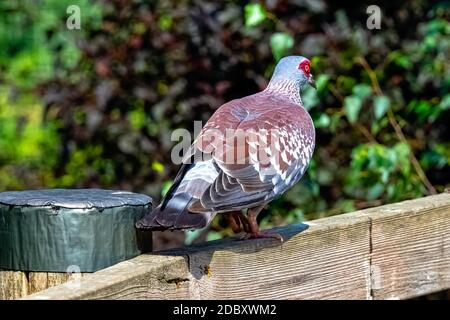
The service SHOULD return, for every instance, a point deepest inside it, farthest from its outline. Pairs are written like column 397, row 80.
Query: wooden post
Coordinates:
column 13, row 285
column 394, row 251
column 65, row 231
column 18, row 284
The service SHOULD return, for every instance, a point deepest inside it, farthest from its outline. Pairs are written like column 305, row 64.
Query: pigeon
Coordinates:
column 250, row 151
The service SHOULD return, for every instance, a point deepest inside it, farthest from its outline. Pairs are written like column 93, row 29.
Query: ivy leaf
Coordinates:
column 402, row 152
column 381, row 104
column 309, row 98
column 254, row 14
column 334, row 122
column 323, row 121
column 375, row 191
column 362, row 91
column 445, row 103
column 280, row 43
column 322, row 82
column 352, row 106
column 422, row 108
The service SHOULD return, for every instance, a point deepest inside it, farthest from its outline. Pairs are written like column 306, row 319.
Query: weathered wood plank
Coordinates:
column 54, row 279
column 393, row 251
column 144, row 277
column 37, row 281
column 330, row 260
column 17, row 284
column 411, row 248
column 13, row 285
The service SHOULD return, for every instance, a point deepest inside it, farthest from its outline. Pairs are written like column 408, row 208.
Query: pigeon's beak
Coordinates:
column 312, row 82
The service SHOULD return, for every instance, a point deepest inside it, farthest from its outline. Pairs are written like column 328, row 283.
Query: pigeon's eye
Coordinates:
column 305, row 66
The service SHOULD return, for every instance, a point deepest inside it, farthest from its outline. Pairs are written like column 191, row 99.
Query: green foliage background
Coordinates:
column 96, row 107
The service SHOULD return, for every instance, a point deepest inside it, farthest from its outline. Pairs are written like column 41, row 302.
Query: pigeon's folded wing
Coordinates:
column 258, row 156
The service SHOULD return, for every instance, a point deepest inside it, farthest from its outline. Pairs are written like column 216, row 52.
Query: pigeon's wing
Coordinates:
column 261, row 148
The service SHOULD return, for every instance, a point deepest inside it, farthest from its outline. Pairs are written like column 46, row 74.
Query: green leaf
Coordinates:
column 352, row 106
column 401, row 59
column 402, row 152
column 165, row 187
column 334, row 122
column 362, row 91
column 280, row 43
column 136, row 118
column 422, row 108
column 323, row 121
column 191, row 235
column 375, row 191
column 254, row 14
column 213, row 235
column 445, row 103
column 381, row 104
column 309, row 98
column 322, row 81
column 435, row 26
column 157, row 166
column 438, row 156
column 165, row 22
column 345, row 83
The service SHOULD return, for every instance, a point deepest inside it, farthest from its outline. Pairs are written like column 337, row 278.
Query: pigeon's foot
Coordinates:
column 237, row 221
column 251, row 227
column 264, row 235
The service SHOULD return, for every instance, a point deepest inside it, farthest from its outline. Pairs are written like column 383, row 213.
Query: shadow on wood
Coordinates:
column 233, row 245
column 395, row 251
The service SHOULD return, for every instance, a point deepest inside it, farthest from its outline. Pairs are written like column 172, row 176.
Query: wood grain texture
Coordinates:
column 332, row 254
column 13, row 285
column 389, row 252
column 37, row 281
column 329, row 260
column 144, row 277
column 18, row 284
column 54, row 279
column 411, row 248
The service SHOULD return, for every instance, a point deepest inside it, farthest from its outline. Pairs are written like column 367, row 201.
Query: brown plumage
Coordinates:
column 251, row 150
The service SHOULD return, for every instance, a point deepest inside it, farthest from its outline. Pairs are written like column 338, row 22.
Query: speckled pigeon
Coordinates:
column 250, row 151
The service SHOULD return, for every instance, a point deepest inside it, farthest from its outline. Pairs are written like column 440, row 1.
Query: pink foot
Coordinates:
column 263, row 235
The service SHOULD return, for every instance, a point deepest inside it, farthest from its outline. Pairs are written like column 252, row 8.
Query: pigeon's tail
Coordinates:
column 172, row 214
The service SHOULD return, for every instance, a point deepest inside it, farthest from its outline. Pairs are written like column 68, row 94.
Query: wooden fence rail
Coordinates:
column 394, row 251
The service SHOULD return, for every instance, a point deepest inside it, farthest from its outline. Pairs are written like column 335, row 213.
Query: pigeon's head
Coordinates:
column 296, row 69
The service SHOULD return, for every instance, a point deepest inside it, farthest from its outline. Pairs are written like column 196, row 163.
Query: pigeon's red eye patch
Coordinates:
column 305, row 66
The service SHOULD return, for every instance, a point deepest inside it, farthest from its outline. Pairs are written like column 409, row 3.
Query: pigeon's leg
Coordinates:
column 237, row 221
column 253, row 231
column 234, row 221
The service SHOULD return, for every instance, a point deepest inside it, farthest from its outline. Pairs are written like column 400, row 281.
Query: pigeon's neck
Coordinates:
column 285, row 88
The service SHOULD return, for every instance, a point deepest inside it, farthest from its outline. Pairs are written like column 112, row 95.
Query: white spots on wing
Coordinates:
column 253, row 153
column 253, row 144
column 263, row 134
column 284, row 175
column 277, row 145
column 284, row 157
column 277, row 156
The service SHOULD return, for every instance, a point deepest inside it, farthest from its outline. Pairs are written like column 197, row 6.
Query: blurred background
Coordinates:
column 95, row 106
